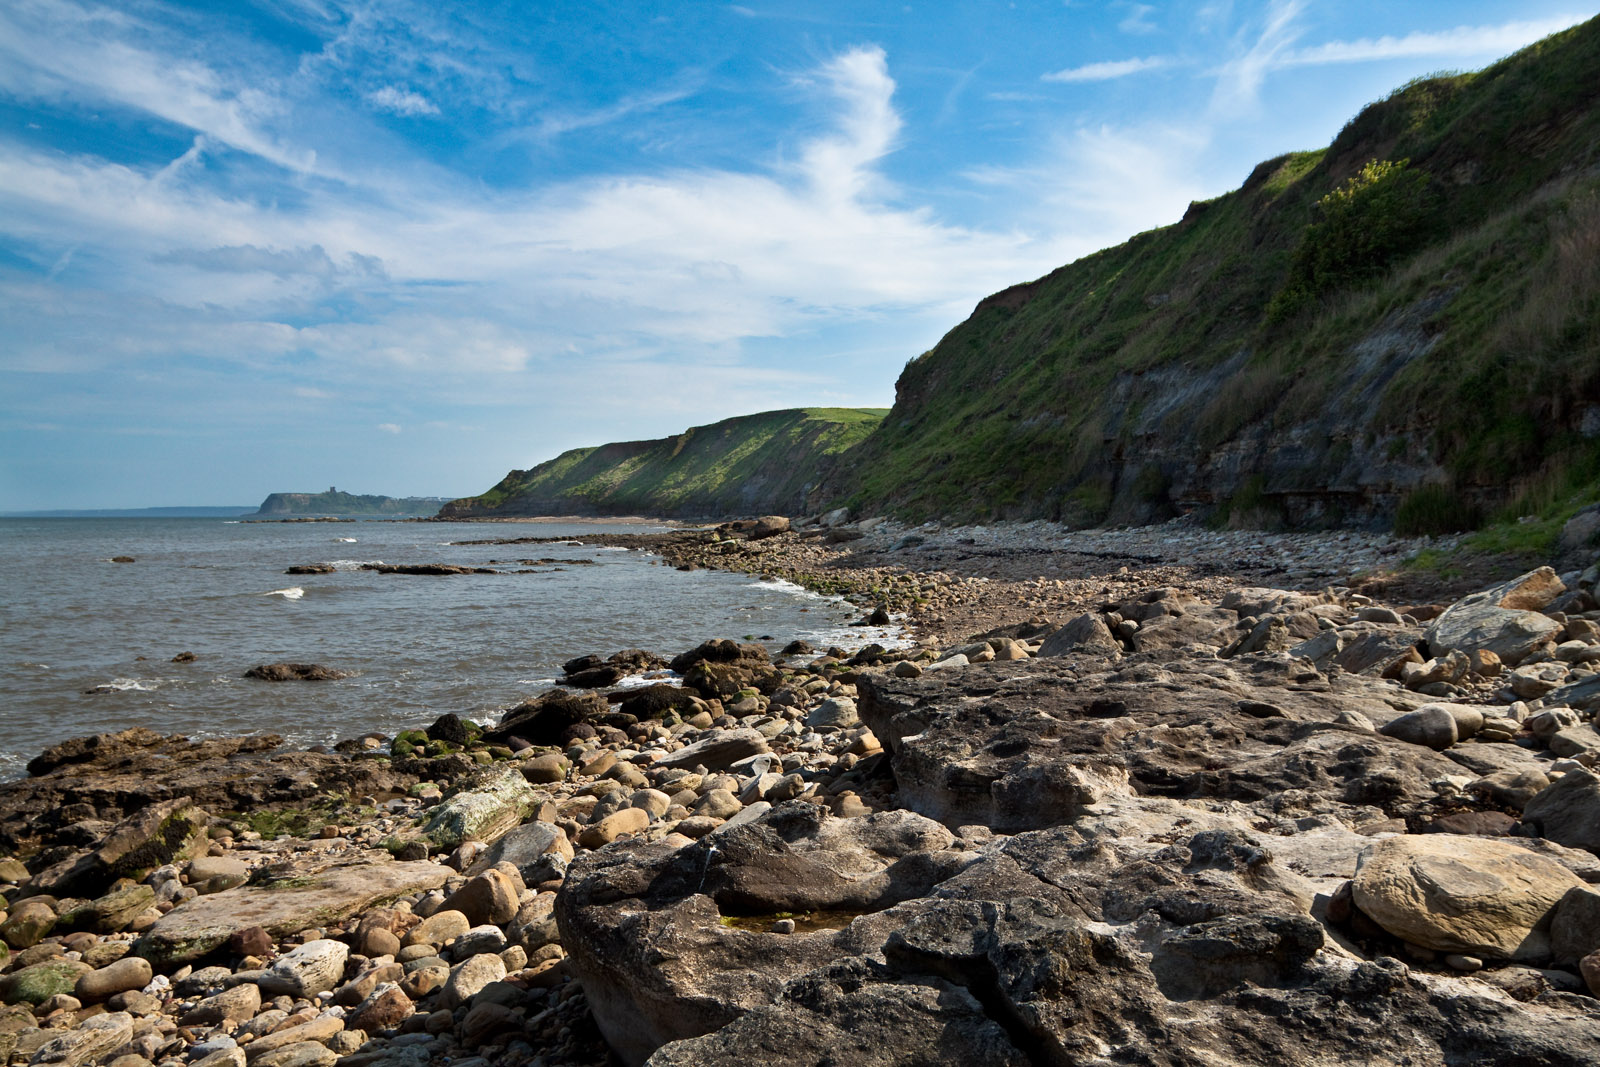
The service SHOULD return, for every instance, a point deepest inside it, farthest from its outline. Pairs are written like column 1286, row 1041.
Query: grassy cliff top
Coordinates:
column 754, row 463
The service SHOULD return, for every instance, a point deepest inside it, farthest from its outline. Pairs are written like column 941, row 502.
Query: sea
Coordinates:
column 87, row 644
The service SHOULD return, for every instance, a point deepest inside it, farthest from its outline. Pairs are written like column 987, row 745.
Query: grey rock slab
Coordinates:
column 312, row 968
column 1504, row 620
column 1024, row 746
column 717, row 752
column 1568, row 811
column 318, row 898
column 1584, row 694
column 89, row 1041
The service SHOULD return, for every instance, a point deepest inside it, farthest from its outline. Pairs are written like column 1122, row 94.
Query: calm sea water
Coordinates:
column 86, row 644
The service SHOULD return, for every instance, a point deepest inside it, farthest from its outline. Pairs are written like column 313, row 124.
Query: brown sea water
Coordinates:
column 86, row 644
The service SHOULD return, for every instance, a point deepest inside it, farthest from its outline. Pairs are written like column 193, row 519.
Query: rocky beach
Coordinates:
column 1153, row 796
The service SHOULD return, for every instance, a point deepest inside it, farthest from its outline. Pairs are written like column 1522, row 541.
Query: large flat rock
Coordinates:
column 1028, row 745
column 293, row 902
column 1174, row 947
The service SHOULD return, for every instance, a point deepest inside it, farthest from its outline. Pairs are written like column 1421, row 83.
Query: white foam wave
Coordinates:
column 639, row 681
column 351, row 564
column 294, row 592
column 346, row 540
column 536, row 681
column 781, row 586
column 125, row 685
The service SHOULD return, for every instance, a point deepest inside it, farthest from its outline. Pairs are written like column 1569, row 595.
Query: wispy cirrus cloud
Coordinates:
column 400, row 101
column 1106, row 71
column 1464, row 41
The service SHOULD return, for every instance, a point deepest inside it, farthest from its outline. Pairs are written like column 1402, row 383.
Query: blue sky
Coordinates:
column 404, row 247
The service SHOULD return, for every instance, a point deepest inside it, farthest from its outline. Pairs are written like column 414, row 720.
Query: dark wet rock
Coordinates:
column 294, row 672
column 452, row 728
column 164, row 832
column 311, row 568
column 184, row 657
column 440, row 569
column 720, row 651
column 112, row 776
column 545, row 719
column 654, row 701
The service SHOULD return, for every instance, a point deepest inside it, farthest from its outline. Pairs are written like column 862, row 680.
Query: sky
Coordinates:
column 404, row 247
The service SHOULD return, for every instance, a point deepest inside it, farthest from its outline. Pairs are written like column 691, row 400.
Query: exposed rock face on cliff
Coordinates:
column 752, row 465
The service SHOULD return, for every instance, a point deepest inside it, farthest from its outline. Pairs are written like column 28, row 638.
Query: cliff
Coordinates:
column 754, row 464
column 336, row 504
column 1405, row 324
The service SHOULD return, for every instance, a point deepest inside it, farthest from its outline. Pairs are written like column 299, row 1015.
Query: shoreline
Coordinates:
column 1146, row 689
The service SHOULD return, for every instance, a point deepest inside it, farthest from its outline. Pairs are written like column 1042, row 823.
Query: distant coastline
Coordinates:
column 231, row 511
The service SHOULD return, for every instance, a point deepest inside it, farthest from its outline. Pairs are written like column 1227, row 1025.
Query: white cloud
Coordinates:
column 1465, row 41
column 1097, row 72
column 308, row 392
column 400, row 101
column 1239, row 82
column 389, row 427
column 55, row 49
column 1138, row 20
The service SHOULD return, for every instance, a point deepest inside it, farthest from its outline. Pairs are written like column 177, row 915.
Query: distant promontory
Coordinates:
column 337, row 504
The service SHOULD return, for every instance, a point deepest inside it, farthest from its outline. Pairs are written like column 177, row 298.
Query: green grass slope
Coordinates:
column 1405, row 324
column 754, row 464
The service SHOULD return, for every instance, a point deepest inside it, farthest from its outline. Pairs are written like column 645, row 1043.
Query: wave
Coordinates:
column 294, row 592
column 346, row 540
column 125, row 685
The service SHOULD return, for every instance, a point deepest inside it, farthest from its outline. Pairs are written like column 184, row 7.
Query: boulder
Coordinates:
column 546, row 719
column 234, row 1005
column 836, row 712
column 470, row 976
column 39, row 982
column 384, row 1007
column 717, row 751
column 89, row 1041
column 1583, row 693
column 438, row 928
column 1568, row 811
column 1575, row 929
column 170, row 831
column 312, row 968
column 300, row 900
column 1486, row 898
column 490, row 897
column 617, row 824
column 294, row 672
column 130, row 972
column 485, row 810
column 525, row 848
column 116, row 909
column 1086, row 633
column 1504, row 620
column 213, row 874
